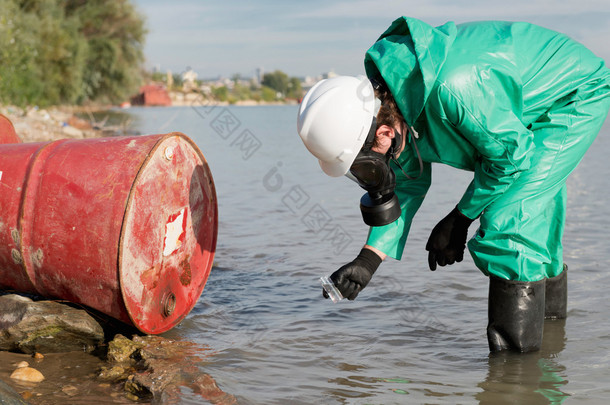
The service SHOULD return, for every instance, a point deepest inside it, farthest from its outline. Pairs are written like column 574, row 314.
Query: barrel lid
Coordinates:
column 168, row 237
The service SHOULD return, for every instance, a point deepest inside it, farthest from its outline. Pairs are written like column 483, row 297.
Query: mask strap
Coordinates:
column 370, row 138
column 396, row 142
column 395, row 160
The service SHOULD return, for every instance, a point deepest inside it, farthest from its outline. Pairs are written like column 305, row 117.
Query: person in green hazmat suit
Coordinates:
column 516, row 104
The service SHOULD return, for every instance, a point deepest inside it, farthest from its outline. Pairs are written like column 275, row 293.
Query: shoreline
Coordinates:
column 96, row 377
column 34, row 124
column 179, row 99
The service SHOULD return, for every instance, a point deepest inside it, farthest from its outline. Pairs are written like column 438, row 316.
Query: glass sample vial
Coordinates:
column 330, row 288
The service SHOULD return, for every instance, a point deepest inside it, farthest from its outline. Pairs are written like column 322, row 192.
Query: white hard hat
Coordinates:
column 334, row 120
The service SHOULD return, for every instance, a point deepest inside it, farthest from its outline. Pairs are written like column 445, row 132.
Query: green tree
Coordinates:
column 69, row 51
column 295, row 90
column 177, row 79
column 221, row 93
column 115, row 34
column 18, row 73
column 61, row 52
column 42, row 54
column 268, row 94
column 277, row 81
column 158, row 77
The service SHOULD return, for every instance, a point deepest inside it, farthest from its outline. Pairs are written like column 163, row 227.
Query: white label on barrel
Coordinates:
column 175, row 232
column 0, row 175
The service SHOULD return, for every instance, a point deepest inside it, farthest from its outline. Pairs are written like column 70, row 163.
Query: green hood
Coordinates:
column 409, row 56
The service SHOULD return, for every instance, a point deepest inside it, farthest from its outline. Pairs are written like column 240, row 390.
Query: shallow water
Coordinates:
column 412, row 336
column 70, row 378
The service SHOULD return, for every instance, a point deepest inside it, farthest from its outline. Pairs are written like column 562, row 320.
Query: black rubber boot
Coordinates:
column 516, row 315
column 556, row 301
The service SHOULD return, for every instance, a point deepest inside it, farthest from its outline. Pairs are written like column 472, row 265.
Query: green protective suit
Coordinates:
column 515, row 103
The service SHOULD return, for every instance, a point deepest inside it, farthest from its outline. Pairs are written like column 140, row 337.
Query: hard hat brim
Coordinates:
column 336, row 168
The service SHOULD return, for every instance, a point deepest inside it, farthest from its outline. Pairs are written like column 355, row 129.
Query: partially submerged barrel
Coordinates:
column 124, row 225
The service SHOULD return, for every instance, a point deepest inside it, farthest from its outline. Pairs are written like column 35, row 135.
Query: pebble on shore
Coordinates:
column 24, row 372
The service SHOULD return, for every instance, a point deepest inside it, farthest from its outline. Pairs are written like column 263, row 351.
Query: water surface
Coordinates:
column 412, row 336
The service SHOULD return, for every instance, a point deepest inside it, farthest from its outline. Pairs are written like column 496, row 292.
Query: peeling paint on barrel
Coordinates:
column 15, row 236
column 185, row 276
column 110, row 223
column 38, row 258
column 16, row 255
column 175, row 232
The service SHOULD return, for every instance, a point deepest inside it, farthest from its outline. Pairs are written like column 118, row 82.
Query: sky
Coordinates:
column 310, row 38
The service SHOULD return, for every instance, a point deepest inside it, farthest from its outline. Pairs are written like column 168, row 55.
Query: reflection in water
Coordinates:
column 532, row 378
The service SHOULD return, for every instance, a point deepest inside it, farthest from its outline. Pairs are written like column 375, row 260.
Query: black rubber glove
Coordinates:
column 351, row 278
column 447, row 241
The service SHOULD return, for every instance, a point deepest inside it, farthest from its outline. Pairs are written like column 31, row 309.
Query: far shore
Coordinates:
column 193, row 98
column 33, row 124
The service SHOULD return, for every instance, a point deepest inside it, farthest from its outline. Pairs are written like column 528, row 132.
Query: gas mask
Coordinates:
column 372, row 171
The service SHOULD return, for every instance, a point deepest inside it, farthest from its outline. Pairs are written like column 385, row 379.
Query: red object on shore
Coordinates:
column 7, row 131
column 124, row 225
column 152, row 95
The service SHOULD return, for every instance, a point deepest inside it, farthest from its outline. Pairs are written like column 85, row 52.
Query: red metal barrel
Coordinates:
column 124, row 225
column 7, row 131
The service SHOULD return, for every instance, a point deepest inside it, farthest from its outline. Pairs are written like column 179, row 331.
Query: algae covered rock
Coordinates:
column 29, row 326
column 122, row 349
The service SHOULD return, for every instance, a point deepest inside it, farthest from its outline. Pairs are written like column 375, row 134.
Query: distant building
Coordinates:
column 152, row 95
column 309, row 81
column 189, row 80
column 259, row 75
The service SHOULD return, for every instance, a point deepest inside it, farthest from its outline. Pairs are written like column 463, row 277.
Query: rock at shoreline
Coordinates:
column 121, row 350
column 149, row 368
column 154, row 368
column 29, row 326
